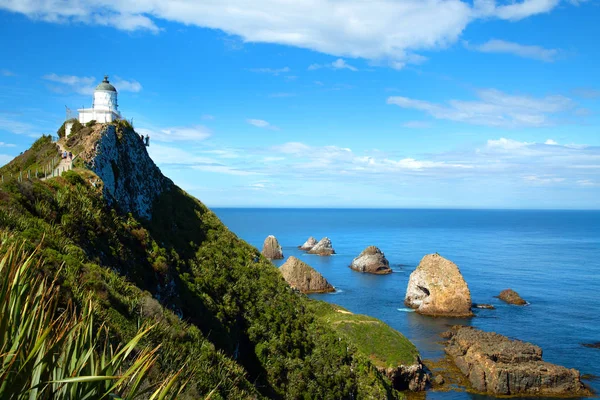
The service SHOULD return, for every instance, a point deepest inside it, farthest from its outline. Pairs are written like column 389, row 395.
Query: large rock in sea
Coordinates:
column 511, row 297
column 323, row 248
column 303, row 277
column 371, row 260
column 309, row 244
column 271, row 248
column 498, row 365
column 436, row 287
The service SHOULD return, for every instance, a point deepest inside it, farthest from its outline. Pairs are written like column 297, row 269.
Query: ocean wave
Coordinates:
column 406, row 310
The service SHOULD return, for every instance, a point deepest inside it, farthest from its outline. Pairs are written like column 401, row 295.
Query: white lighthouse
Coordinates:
column 104, row 107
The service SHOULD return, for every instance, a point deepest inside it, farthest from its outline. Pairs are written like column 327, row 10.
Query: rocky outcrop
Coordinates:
column 131, row 180
column 323, row 248
column 271, row 248
column 436, row 287
column 497, row 365
column 304, row 278
column 408, row 377
column 371, row 260
column 511, row 297
column 309, row 244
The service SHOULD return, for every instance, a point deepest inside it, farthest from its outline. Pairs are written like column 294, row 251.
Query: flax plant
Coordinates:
column 52, row 353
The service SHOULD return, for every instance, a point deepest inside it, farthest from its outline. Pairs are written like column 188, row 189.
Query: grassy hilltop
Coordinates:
column 219, row 308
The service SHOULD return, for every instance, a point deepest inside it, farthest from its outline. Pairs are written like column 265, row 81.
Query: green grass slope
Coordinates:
column 221, row 309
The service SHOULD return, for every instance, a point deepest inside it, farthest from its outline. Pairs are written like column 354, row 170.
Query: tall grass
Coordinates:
column 47, row 352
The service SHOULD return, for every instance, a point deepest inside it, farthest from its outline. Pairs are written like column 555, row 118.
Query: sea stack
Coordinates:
column 371, row 260
column 323, row 248
column 303, row 277
column 497, row 365
column 511, row 297
column 272, row 249
column 436, row 287
column 309, row 244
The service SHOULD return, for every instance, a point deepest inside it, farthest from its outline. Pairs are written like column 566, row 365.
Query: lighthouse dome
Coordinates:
column 105, row 85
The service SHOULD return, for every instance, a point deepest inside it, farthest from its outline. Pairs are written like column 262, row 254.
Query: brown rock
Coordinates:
column 439, row 380
column 272, row 249
column 407, row 377
column 436, row 287
column 496, row 364
column 303, row 277
column 371, row 260
column 323, row 248
column 309, row 244
column 511, row 297
column 484, row 306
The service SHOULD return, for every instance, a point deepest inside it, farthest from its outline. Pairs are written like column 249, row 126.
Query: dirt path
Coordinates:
column 64, row 164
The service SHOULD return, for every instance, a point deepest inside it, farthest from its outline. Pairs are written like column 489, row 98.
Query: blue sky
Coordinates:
column 329, row 103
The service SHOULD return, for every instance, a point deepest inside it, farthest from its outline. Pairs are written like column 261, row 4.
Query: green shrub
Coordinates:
column 91, row 123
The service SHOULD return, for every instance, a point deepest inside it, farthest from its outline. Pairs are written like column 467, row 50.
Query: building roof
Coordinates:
column 105, row 85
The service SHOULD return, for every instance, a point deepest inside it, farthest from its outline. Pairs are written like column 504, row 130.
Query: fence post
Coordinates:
column 28, row 174
column 20, row 176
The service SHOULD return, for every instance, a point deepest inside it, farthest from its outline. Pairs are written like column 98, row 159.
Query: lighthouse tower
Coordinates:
column 104, row 107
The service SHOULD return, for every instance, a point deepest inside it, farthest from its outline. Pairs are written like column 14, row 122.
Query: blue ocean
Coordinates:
column 551, row 258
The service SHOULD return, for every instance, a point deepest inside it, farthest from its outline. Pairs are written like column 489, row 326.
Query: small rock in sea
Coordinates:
column 439, row 380
column 271, row 248
column 484, row 306
column 309, row 244
column 437, row 288
column 592, row 345
column 303, row 277
column 511, row 297
column 323, row 248
column 371, row 260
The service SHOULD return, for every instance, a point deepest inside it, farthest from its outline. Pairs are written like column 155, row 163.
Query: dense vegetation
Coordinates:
column 219, row 307
column 38, row 158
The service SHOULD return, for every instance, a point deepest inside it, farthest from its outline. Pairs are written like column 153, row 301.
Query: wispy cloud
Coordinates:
column 5, row 159
column 494, row 108
column 417, row 124
column 6, row 72
column 10, row 124
column 2, row 144
column 261, row 123
column 177, row 134
column 337, row 64
column 282, row 94
column 272, row 71
column 86, row 84
column 520, row 50
column 123, row 85
column 392, row 31
column 207, row 117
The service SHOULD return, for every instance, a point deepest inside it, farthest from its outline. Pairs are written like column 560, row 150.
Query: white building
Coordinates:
column 104, row 107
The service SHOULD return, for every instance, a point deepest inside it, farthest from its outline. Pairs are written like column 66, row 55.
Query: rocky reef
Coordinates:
column 511, row 297
column 497, row 365
column 323, row 248
column 272, row 249
column 371, row 260
column 436, row 287
column 309, row 244
column 303, row 277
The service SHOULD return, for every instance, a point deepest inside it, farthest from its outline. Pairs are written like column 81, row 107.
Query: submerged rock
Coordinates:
column 592, row 345
column 511, row 297
column 436, row 287
column 484, row 306
column 323, row 248
column 303, row 277
column 309, row 244
column 271, row 248
column 498, row 365
column 371, row 260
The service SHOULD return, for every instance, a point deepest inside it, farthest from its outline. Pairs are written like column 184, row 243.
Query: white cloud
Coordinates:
column 5, row 159
column 9, row 124
column 551, row 142
column 175, row 134
column 207, row 117
column 416, row 124
column 337, row 64
column 282, row 95
column 5, row 72
column 223, row 169
column 494, row 108
column 506, row 144
column 260, row 123
column 525, row 51
column 543, row 180
column 386, row 30
column 2, row 144
column 86, row 84
column 272, row 71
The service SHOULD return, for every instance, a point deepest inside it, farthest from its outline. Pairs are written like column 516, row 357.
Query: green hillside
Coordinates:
column 220, row 309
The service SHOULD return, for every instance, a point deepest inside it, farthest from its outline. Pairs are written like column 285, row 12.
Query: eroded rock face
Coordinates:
column 272, row 249
column 436, row 287
column 323, row 248
column 511, row 297
column 371, row 260
column 303, row 277
column 131, row 179
column 496, row 364
column 408, row 377
column 309, row 244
